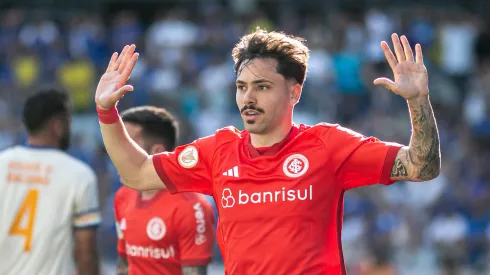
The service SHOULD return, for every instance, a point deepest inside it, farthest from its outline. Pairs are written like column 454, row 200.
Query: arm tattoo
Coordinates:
column 398, row 170
column 424, row 151
column 195, row 270
column 122, row 266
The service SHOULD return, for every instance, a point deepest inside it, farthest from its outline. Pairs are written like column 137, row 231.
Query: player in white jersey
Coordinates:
column 48, row 200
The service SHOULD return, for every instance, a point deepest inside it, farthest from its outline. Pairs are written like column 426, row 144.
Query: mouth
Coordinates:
column 250, row 114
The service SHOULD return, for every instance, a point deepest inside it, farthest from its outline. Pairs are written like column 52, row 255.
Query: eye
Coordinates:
column 263, row 87
column 241, row 88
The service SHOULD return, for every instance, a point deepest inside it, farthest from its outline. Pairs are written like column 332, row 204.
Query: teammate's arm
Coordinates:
column 421, row 160
column 195, row 270
column 85, row 222
column 132, row 162
column 121, row 266
column 86, row 255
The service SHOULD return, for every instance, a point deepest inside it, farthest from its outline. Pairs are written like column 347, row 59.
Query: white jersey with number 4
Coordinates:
column 44, row 194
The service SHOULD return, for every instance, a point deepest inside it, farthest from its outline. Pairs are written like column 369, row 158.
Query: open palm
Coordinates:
column 410, row 76
column 112, row 85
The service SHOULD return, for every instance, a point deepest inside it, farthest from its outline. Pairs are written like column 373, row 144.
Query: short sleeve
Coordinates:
column 120, row 225
column 188, row 167
column 86, row 212
column 196, row 234
column 358, row 160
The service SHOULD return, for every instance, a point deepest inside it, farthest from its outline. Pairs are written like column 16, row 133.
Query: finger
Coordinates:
column 116, row 96
column 111, row 62
column 127, row 57
column 419, row 57
column 400, row 55
column 130, row 66
column 389, row 55
column 120, row 58
column 407, row 48
column 387, row 83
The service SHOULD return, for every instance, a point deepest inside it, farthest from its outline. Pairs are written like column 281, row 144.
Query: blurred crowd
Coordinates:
column 185, row 66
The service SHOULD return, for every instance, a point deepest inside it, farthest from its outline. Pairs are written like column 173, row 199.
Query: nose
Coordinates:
column 249, row 97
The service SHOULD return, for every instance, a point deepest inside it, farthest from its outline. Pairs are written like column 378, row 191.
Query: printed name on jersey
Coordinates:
column 295, row 166
column 156, row 229
column 189, row 157
column 284, row 195
column 150, row 252
column 200, row 224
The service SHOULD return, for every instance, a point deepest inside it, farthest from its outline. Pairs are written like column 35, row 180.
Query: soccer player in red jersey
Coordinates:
column 279, row 186
column 159, row 233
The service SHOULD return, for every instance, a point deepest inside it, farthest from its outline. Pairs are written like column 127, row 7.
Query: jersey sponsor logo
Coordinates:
column 156, row 229
column 150, row 252
column 295, row 166
column 227, row 199
column 283, row 195
column 189, row 157
column 200, row 224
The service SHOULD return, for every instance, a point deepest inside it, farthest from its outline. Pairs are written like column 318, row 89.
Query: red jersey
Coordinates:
column 280, row 208
column 160, row 235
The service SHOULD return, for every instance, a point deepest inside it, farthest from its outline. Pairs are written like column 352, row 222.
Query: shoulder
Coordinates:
column 122, row 195
column 229, row 134
column 328, row 131
column 82, row 171
column 221, row 137
column 124, row 192
column 7, row 154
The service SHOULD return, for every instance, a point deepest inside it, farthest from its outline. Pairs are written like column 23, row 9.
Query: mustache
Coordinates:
column 251, row 107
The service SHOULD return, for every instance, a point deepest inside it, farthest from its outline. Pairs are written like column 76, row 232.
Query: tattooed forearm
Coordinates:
column 399, row 169
column 195, row 270
column 424, row 150
column 122, row 266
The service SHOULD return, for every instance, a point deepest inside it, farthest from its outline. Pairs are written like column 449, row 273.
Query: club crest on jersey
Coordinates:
column 155, row 229
column 188, row 157
column 295, row 166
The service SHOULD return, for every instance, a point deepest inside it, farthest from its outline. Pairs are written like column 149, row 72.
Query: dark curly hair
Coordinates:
column 290, row 52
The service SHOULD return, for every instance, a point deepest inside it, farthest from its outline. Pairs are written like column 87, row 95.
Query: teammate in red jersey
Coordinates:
column 279, row 187
column 159, row 233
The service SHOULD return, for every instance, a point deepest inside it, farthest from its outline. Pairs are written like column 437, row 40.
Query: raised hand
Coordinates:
column 411, row 79
column 112, row 85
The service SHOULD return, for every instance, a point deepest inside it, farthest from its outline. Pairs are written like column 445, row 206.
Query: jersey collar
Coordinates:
column 141, row 203
column 41, row 147
column 271, row 150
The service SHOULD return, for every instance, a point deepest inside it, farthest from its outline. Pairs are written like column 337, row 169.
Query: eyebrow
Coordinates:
column 258, row 81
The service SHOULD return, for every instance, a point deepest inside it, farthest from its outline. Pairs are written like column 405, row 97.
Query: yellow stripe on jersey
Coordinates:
column 89, row 219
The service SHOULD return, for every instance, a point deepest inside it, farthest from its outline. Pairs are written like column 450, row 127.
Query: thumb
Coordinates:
column 121, row 92
column 387, row 83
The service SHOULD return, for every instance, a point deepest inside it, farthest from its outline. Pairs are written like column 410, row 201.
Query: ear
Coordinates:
column 296, row 90
column 56, row 126
column 156, row 149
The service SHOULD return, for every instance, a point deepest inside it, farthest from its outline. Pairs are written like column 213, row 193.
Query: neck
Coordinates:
column 42, row 141
column 275, row 136
column 148, row 195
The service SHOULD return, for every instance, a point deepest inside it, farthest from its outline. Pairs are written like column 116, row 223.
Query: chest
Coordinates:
column 148, row 226
column 294, row 182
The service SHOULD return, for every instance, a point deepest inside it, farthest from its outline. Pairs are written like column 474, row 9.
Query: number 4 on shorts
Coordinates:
column 27, row 211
